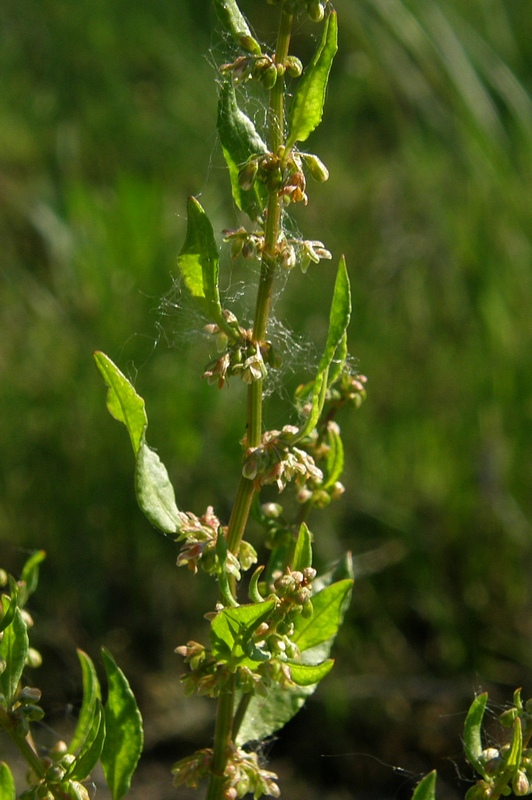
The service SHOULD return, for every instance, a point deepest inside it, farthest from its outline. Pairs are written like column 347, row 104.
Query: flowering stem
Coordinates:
column 246, row 490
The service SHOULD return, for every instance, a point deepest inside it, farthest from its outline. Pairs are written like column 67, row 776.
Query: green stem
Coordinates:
column 222, row 742
column 27, row 751
column 245, row 492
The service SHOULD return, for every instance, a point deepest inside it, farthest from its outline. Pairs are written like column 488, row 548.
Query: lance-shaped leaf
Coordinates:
column 91, row 696
column 124, row 736
column 335, row 457
column 234, row 22
column 232, row 630
column 9, row 605
column 7, row 783
column 91, row 749
column 240, row 141
column 473, row 733
column 198, row 260
column 426, row 788
column 303, row 550
column 265, row 715
column 14, row 647
column 514, row 754
column 338, row 321
column 309, row 674
column 309, row 98
column 155, row 494
column 30, row 576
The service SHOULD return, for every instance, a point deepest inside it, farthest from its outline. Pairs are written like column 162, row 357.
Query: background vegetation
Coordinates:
column 107, row 123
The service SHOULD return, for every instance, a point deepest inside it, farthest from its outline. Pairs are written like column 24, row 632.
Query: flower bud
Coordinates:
column 520, row 783
column 317, row 168
column 247, row 175
column 316, row 10
column 268, row 77
column 293, row 66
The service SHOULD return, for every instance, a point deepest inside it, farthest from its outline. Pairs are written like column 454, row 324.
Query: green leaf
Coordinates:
column 303, row 552
column 155, row 493
column 339, row 317
column 473, row 732
column 335, row 457
column 92, row 747
column 123, row 402
column 124, row 736
column 240, row 141
column 91, row 696
column 8, row 608
column 265, row 715
column 329, row 607
column 13, row 649
column 513, row 757
column 310, row 674
column 198, row 260
column 234, row 22
column 339, row 360
column 232, row 629
column 309, row 98
column 7, row 783
column 426, row 788
column 30, row 576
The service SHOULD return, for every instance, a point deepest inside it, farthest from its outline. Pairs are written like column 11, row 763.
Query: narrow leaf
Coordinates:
column 7, row 783
column 234, row 22
column 473, row 732
column 155, row 493
column 91, row 695
column 265, row 715
column 198, row 259
column 231, row 631
column 123, row 402
column 335, row 458
column 426, row 788
column 339, row 317
column 13, row 649
column 329, row 606
column 124, row 736
column 30, row 575
column 303, row 551
column 309, row 99
column 9, row 605
column 240, row 141
column 90, row 752
column 513, row 757
column 310, row 674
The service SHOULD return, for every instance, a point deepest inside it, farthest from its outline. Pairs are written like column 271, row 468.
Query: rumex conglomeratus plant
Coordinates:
column 270, row 634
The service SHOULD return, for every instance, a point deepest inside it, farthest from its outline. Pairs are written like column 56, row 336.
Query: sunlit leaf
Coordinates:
column 513, row 757
column 234, row 22
column 240, row 140
column 303, row 551
column 9, row 607
column 310, row 674
column 124, row 735
column 328, row 609
column 7, row 783
column 335, row 457
column 123, row 402
column 198, row 260
column 155, row 493
column 91, row 749
column 426, row 788
column 14, row 647
column 473, row 732
column 232, row 629
column 339, row 317
column 30, row 575
column 91, row 695
column 309, row 98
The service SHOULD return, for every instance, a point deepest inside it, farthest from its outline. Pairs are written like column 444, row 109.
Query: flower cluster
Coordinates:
column 277, row 461
column 243, row 773
column 199, row 536
column 289, row 251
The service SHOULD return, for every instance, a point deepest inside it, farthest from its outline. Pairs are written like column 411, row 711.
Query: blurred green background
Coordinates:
column 107, row 123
